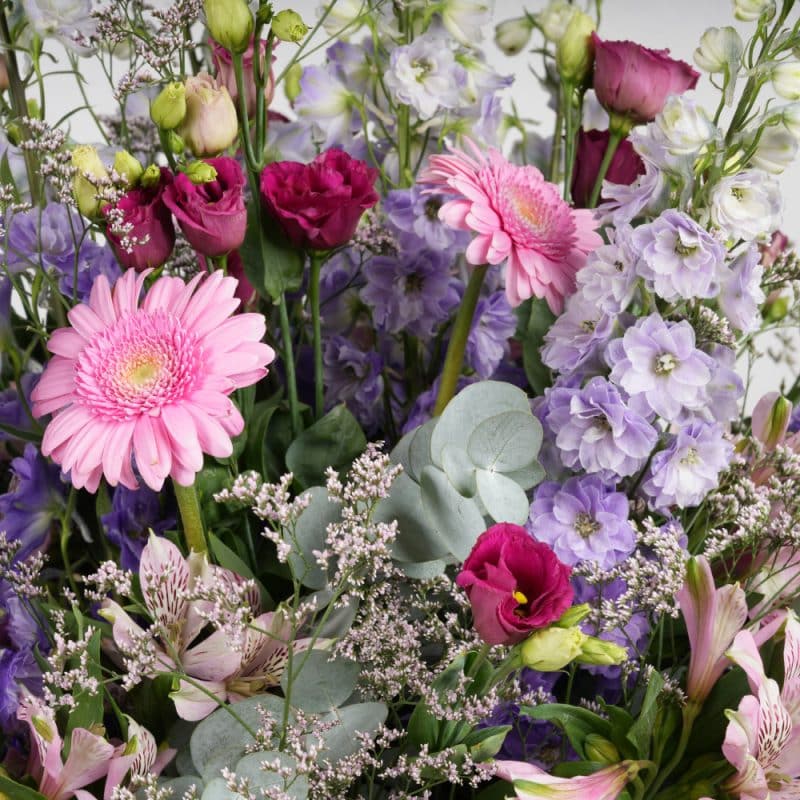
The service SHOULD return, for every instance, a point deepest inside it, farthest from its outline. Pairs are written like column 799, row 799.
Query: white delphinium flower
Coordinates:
column 555, row 18
column 747, row 205
column 466, row 20
column 342, row 14
column 785, row 79
column 790, row 117
column 719, row 48
column 69, row 21
column 750, row 10
column 776, row 149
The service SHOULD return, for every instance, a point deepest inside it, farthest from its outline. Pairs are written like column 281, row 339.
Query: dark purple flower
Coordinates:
column 134, row 513
column 583, row 520
column 413, row 292
column 18, row 627
column 626, row 165
column 5, row 307
column 17, row 669
column 12, row 410
column 493, row 324
column 596, row 431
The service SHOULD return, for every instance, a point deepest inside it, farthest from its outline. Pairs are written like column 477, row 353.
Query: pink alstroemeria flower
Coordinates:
column 713, row 617
column 762, row 740
column 89, row 759
column 136, row 758
column 533, row 783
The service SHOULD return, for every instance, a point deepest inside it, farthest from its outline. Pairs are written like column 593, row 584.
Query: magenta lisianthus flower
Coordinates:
column 148, row 381
column 514, row 584
column 212, row 215
column 634, row 81
column 520, row 219
column 318, row 205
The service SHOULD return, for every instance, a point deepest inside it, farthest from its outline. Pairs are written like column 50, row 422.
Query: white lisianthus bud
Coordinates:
column 786, row 80
column 747, row 205
column 776, row 149
column 554, row 19
column 750, row 10
column 684, row 126
column 719, row 48
column 513, row 35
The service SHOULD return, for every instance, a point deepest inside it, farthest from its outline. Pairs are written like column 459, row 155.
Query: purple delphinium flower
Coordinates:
column 35, row 498
column 425, row 75
column 413, row 292
column 658, row 365
column 493, row 323
column 413, row 212
column 596, row 431
column 352, row 64
column 741, row 295
column 93, row 260
column 577, row 338
column 609, row 278
column 5, row 307
column 794, row 421
column 18, row 668
column 12, row 410
column 649, row 193
column 18, row 627
column 354, row 377
column 43, row 237
column 725, row 389
column 340, row 282
column 583, row 520
column 678, row 258
column 688, row 468
column 327, row 103
column 134, row 513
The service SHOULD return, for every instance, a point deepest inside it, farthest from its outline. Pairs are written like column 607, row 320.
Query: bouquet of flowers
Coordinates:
column 386, row 448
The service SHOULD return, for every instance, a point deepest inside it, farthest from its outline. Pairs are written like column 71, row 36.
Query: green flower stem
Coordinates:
column 288, row 363
column 458, row 341
column 189, row 506
column 317, row 260
column 555, row 153
column 614, row 139
column 244, row 120
column 690, row 713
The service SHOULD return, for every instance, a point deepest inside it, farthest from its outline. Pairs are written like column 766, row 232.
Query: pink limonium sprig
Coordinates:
column 521, row 221
column 148, row 384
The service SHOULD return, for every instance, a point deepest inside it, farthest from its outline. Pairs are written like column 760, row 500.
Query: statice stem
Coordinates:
column 317, row 260
column 189, row 507
column 458, row 341
column 614, row 139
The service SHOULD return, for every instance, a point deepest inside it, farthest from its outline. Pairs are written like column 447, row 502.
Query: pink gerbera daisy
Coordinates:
column 149, row 381
column 520, row 218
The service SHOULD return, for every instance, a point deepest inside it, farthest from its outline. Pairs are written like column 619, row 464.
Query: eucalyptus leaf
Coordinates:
column 459, row 469
column 527, row 477
column 419, row 450
column 504, row 500
column 341, row 740
column 309, row 535
column 456, row 518
column 318, row 683
column 180, row 785
column 424, row 570
column 506, row 442
column 250, row 768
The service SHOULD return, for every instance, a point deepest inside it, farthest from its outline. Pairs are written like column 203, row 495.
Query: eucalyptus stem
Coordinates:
column 458, row 341
column 614, row 139
column 317, row 259
column 189, row 507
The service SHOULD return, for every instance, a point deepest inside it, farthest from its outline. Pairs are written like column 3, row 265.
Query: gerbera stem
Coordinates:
column 615, row 137
column 288, row 362
column 317, row 259
column 458, row 341
column 189, row 506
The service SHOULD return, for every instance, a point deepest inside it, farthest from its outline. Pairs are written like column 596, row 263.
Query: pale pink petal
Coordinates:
column 66, row 342
column 164, row 577
column 744, row 653
column 454, row 213
column 85, row 321
column 117, row 451
column 183, row 437
column 213, row 659
column 100, row 300
column 241, row 328
column 163, row 294
column 88, row 761
column 64, row 425
column 194, row 704
column 211, row 434
column 127, row 290
column 153, row 456
column 478, row 250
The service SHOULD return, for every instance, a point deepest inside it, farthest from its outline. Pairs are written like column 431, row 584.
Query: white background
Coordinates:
column 676, row 24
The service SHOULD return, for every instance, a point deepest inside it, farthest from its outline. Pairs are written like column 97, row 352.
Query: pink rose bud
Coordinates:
column 227, row 77
column 319, row 204
column 633, row 82
column 210, row 125
column 515, row 584
column 140, row 226
column 212, row 215
column 625, row 167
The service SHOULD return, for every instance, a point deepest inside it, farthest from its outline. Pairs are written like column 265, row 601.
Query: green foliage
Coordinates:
column 318, row 683
column 16, row 791
column 534, row 319
column 309, row 535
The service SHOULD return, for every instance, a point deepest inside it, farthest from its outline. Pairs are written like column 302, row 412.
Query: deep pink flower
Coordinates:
column 625, row 167
column 149, row 381
column 318, row 205
column 212, row 215
column 514, row 584
column 226, row 76
column 520, row 218
column 634, row 81
column 151, row 237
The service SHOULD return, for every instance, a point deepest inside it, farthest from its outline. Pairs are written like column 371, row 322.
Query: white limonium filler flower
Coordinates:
column 719, row 48
column 555, row 18
column 776, row 149
column 425, row 75
column 786, row 80
column 747, row 205
column 751, row 10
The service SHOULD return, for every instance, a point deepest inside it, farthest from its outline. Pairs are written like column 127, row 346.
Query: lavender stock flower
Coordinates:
column 596, row 431
column 658, row 365
column 583, row 520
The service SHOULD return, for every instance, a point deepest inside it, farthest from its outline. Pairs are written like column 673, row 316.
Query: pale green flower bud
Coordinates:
column 288, row 26
column 151, row 177
column 513, row 35
column 573, row 615
column 230, row 22
column 574, row 51
column 128, row 167
column 291, row 83
column 786, row 80
column 719, row 48
column 751, row 10
column 90, row 173
column 601, row 653
column 552, row 649
column 554, row 19
column 175, row 143
column 169, row 108
column 600, row 749
column 200, row 172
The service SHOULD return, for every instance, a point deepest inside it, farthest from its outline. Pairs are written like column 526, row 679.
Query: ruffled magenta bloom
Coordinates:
column 148, row 381
column 318, row 205
column 626, row 166
column 634, row 81
column 514, row 584
column 212, row 215
column 520, row 219
column 140, row 227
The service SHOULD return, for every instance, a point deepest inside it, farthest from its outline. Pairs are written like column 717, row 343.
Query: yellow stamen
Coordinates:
column 520, row 598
